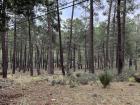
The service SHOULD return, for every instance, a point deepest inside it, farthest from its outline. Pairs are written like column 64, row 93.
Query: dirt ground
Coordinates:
column 41, row 92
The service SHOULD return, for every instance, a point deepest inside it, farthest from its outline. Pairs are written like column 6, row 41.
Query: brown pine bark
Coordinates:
column 30, row 47
column 119, row 44
column 123, row 32
column 91, row 49
column 108, row 34
column 4, row 38
column 14, row 51
column 70, row 39
column 50, row 56
column 60, row 40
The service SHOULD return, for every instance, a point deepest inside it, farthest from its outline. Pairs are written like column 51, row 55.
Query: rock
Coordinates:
column 94, row 95
column 131, row 84
column 128, row 103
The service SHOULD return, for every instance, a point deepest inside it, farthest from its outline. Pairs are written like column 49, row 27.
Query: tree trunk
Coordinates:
column 50, row 56
column 30, row 48
column 74, row 65
column 60, row 40
column 136, row 66
column 25, row 60
column 20, row 68
column 91, row 49
column 4, row 38
column 14, row 51
column 119, row 44
column 38, row 65
column 108, row 34
column 114, row 36
column 70, row 39
column 123, row 32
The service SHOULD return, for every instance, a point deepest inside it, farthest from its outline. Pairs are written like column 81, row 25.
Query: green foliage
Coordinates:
column 72, row 81
column 58, row 82
column 105, row 78
column 78, row 74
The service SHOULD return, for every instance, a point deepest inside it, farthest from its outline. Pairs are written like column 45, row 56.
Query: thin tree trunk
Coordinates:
column 25, row 60
column 20, row 68
column 136, row 66
column 70, row 39
column 108, row 34
column 74, row 65
column 38, row 65
column 60, row 40
column 114, row 36
column 30, row 48
column 123, row 32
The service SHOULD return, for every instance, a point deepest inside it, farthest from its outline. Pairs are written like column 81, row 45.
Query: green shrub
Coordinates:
column 105, row 78
column 53, row 82
column 58, row 82
column 78, row 74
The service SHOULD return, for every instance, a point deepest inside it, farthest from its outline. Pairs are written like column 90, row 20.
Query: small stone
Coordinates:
column 94, row 95
column 53, row 99
column 131, row 84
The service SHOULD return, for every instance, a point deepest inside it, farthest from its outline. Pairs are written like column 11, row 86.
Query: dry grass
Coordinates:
column 37, row 90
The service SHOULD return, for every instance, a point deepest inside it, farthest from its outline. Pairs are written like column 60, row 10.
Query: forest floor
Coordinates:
column 26, row 90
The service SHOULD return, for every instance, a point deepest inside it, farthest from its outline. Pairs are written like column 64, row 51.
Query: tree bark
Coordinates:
column 14, row 51
column 60, row 40
column 70, row 39
column 119, row 44
column 108, row 34
column 91, row 49
column 4, row 38
column 123, row 32
column 30, row 47
column 50, row 56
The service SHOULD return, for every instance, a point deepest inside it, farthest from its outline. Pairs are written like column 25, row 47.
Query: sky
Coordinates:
column 66, row 13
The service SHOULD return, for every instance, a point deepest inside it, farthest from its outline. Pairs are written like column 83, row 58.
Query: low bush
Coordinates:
column 105, row 78
column 58, row 82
